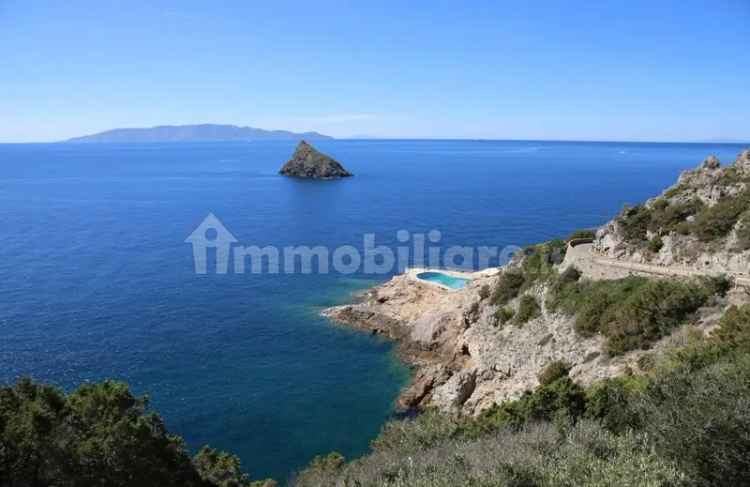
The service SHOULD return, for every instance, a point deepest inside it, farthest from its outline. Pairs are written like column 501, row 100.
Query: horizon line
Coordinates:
column 395, row 138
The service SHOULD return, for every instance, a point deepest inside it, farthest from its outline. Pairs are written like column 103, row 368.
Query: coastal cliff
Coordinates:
column 487, row 343
column 702, row 222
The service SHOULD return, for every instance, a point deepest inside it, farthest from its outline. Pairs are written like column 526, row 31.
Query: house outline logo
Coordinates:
column 211, row 233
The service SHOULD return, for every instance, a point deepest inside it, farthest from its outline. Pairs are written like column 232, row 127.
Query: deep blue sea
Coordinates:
column 96, row 280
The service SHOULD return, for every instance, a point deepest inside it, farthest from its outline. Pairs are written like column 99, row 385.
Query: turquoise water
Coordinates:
column 444, row 279
column 96, row 280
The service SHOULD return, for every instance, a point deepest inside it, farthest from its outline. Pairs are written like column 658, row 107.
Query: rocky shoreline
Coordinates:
column 463, row 362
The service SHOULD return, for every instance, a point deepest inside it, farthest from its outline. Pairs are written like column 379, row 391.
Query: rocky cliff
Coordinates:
column 307, row 162
column 702, row 222
column 468, row 351
column 464, row 360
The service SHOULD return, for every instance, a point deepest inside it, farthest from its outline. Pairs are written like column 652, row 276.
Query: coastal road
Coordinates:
column 595, row 266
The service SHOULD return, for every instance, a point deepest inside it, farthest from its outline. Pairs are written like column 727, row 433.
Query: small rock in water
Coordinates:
column 307, row 162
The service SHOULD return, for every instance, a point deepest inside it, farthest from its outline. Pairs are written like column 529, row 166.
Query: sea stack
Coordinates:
column 307, row 162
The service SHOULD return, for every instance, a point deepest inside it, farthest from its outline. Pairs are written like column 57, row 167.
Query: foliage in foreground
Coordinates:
column 685, row 424
column 99, row 435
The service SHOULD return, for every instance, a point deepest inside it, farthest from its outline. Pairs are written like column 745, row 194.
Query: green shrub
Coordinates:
column 503, row 315
column 610, row 402
column 561, row 286
column 685, row 424
column 536, row 456
column 701, row 421
column 717, row 221
column 528, row 308
column 646, row 362
column 632, row 312
column 649, row 313
column 484, row 292
column 560, row 399
column 655, row 244
column 508, row 286
column 634, row 223
column 743, row 232
column 666, row 216
column 472, row 314
column 674, row 191
column 734, row 329
column 100, row 434
column 540, row 259
column 555, row 370
column 581, row 234
column 718, row 285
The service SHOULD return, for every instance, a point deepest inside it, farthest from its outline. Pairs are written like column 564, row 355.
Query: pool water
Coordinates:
column 444, row 279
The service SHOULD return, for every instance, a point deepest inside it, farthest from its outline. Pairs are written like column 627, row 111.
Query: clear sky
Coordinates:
column 568, row 69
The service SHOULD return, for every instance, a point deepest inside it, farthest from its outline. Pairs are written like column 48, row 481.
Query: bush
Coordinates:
column 666, row 217
column 717, row 221
column 661, row 218
column 508, row 286
column 555, row 370
column 634, row 223
column 540, row 259
column 99, row 434
column 581, row 234
column 701, row 421
column 655, row 244
column 646, row 362
column 718, row 285
column 560, row 399
column 685, row 424
column 503, row 315
column 632, row 312
column 528, row 309
column 743, row 232
column 610, row 402
column 484, row 292
column 734, row 329
column 536, row 456
column 472, row 314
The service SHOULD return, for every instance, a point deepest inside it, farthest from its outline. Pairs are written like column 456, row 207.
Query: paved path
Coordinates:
column 592, row 265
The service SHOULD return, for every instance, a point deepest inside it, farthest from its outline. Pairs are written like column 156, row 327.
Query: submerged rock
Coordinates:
column 307, row 162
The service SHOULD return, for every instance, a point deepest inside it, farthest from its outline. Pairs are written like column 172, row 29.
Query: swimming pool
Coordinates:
column 444, row 279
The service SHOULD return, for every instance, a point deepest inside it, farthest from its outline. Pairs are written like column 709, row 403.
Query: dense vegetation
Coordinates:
column 690, row 217
column 634, row 312
column 685, row 423
column 538, row 264
column 99, row 435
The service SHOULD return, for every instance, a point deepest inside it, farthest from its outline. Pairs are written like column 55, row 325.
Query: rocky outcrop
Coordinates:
column 464, row 361
column 708, row 185
column 307, row 162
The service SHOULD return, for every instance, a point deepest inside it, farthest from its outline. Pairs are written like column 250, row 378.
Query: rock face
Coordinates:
column 464, row 362
column 307, row 162
column 710, row 184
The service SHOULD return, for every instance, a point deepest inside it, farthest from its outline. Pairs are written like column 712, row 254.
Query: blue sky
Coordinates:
column 609, row 70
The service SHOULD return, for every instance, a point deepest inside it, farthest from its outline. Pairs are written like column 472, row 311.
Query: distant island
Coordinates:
column 194, row 133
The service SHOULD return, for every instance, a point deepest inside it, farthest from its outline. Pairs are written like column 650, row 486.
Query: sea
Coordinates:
column 98, row 275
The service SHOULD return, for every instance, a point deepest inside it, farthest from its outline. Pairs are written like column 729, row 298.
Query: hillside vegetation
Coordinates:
column 706, row 214
column 685, row 423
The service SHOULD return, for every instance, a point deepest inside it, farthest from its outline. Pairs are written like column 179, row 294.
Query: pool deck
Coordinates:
column 411, row 273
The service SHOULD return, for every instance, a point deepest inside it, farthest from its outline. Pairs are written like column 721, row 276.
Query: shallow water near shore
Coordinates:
column 97, row 282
